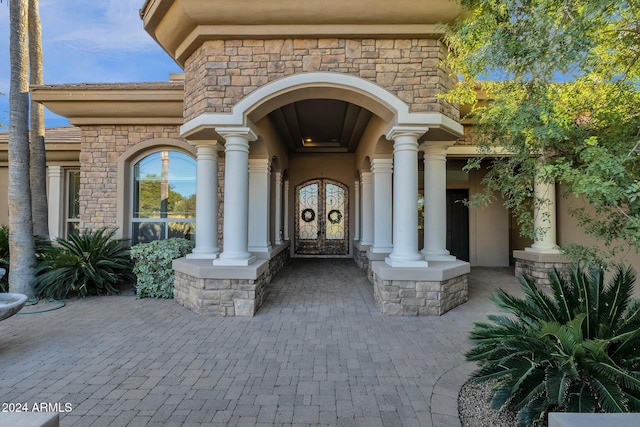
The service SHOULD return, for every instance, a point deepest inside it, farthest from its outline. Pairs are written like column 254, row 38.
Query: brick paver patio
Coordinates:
column 317, row 353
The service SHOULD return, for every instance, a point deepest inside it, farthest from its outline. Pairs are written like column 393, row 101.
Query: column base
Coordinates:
column 203, row 254
column 209, row 290
column 405, row 263
column 437, row 256
column 266, row 249
column 381, row 249
column 543, row 250
column 537, row 265
column 430, row 291
column 233, row 262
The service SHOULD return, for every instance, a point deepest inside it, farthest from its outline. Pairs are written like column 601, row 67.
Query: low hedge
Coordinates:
column 153, row 265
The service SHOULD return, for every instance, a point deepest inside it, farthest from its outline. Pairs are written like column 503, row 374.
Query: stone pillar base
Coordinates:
column 210, row 290
column 360, row 255
column 420, row 291
column 537, row 265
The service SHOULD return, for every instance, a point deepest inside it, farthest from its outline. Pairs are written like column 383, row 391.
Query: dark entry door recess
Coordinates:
column 322, row 220
column 458, row 224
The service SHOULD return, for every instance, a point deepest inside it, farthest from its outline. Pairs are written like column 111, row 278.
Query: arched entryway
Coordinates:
column 322, row 128
column 321, row 218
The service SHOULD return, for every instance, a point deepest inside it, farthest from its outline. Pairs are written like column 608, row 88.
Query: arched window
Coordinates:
column 164, row 197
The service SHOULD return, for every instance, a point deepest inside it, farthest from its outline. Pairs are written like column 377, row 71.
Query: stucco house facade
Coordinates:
column 310, row 130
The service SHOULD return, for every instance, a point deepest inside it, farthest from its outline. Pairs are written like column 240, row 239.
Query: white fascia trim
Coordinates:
column 431, row 120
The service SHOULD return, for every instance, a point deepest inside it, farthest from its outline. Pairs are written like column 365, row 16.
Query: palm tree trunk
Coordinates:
column 21, row 242
column 38, row 170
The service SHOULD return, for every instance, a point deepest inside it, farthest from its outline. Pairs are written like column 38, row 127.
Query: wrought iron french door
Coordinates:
column 322, row 218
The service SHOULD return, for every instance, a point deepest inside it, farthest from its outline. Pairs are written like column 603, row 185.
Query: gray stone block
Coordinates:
column 560, row 419
column 29, row 419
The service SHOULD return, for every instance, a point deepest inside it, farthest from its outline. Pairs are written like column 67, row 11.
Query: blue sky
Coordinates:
column 88, row 41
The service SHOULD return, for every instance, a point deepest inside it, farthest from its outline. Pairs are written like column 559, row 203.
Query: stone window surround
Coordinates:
column 126, row 163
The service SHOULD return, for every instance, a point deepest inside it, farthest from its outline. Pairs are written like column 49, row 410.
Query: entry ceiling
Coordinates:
column 321, row 125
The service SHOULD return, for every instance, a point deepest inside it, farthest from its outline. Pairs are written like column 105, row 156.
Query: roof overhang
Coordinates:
column 181, row 26
column 122, row 103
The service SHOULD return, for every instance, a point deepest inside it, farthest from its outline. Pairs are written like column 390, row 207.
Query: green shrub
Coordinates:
column 92, row 263
column 574, row 350
column 153, row 265
column 4, row 257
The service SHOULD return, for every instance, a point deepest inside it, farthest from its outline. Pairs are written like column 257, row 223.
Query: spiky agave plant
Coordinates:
column 92, row 263
column 576, row 349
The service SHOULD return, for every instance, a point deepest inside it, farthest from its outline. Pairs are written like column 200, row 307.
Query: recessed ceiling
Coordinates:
column 321, row 125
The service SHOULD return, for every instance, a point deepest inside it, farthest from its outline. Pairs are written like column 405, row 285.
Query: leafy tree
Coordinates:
column 565, row 104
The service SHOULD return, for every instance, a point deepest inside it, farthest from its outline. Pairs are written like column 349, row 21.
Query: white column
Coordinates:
column 405, row 197
column 286, row 210
column 236, row 197
column 206, row 201
column 382, row 170
column 367, row 209
column 435, row 201
column 356, row 196
column 56, row 201
column 259, row 207
column 277, row 221
column 544, row 221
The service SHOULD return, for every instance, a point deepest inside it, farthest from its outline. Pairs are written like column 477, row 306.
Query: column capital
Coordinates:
column 278, row 176
column 435, row 145
column 54, row 171
column 207, row 143
column 365, row 177
column 409, row 131
column 259, row 165
column 238, row 131
column 382, row 165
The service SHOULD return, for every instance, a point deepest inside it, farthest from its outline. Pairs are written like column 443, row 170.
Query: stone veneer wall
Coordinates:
column 539, row 271
column 222, row 72
column 419, row 298
column 360, row 257
column 101, row 147
column 277, row 262
column 226, row 297
column 219, row 297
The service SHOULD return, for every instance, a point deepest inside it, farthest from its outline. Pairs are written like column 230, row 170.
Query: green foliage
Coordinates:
column 92, row 263
column 153, row 265
column 566, row 104
column 574, row 350
column 4, row 257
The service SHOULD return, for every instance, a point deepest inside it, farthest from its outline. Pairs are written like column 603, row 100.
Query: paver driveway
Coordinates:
column 317, row 353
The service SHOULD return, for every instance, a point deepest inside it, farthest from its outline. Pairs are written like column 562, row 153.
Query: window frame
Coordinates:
column 132, row 195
